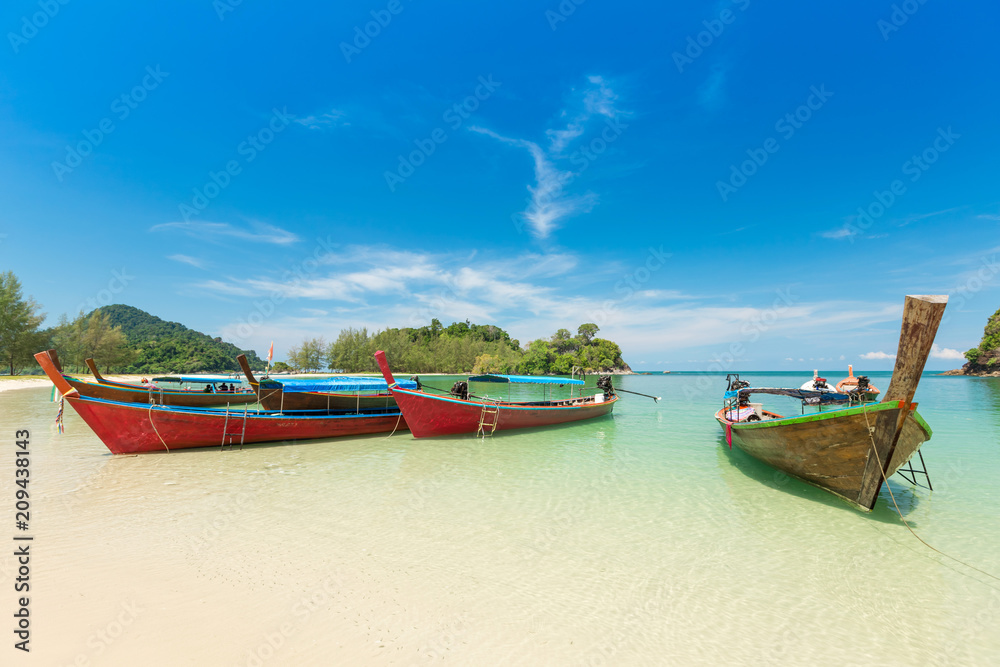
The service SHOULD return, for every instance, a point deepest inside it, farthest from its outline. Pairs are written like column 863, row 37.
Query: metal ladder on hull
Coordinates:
column 489, row 418
column 242, row 432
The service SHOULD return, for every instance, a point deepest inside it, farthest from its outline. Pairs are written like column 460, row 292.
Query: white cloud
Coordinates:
column 877, row 355
column 550, row 203
column 939, row 352
column 259, row 232
column 598, row 100
column 844, row 232
column 185, row 259
column 332, row 118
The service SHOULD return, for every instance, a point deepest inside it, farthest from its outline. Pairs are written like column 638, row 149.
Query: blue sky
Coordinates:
column 723, row 186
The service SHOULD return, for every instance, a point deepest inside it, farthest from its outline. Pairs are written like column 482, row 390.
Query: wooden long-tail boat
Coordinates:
column 123, row 392
column 430, row 415
column 283, row 395
column 851, row 383
column 127, row 428
column 851, row 451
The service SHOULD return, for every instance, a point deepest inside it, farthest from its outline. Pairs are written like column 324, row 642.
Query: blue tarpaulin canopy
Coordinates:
column 343, row 383
column 524, row 379
column 207, row 379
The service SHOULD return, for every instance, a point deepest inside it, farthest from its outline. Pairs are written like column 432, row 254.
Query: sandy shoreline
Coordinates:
column 8, row 383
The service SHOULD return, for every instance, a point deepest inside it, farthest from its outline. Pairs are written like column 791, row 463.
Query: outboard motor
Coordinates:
column 460, row 390
column 417, row 380
column 863, row 383
column 604, row 382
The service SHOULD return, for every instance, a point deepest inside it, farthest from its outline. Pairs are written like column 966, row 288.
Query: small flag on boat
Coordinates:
column 729, row 435
column 270, row 352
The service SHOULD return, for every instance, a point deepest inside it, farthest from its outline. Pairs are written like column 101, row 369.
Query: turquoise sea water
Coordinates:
column 639, row 538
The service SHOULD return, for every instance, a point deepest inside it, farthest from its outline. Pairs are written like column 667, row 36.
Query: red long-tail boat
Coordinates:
column 851, row 451
column 154, row 392
column 128, row 428
column 430, row 415
column 292, row 395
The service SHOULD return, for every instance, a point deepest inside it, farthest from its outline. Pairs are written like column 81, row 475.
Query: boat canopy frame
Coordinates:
column 526, row 379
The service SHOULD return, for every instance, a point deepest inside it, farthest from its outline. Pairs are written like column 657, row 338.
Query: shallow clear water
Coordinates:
column 634, row 539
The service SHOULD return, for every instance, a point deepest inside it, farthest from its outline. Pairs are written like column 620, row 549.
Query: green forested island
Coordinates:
column 126, row 339
column 120, row 338
column 985, row 359
column 462, row 347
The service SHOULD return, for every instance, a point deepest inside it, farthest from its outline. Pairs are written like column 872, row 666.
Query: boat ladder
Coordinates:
column 232, row 431
column 489, row 418
column 910, row 472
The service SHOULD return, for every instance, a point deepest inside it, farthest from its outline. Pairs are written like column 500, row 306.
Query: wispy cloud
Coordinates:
column 845, row 232
column 598, row 100
column 712, row 92
column 877, row 355
column 258, row 233
column 185, row 259
column 323, row 121
column 550, row 202
column 939, row 352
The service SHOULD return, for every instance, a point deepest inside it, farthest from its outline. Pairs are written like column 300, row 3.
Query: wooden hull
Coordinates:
column 832, row 450
column 277, row 399
column 428, row 415
column 129, row 393
column 272, row 396
column 128, row 428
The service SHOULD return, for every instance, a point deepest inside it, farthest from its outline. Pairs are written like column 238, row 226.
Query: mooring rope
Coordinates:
column 155, row 429
column 400, row 417
column 881, row 468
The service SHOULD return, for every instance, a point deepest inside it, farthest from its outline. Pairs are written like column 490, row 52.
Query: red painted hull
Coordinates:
column 130, row 393
column 128, row 429
column 428, row 415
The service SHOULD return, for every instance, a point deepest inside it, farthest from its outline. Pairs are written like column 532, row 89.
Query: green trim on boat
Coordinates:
column 833, row 414
column 924, row 425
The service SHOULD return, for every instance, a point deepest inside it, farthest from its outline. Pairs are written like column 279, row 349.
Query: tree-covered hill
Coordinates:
column 459, row 348
column 985, row 359
column 170, row 347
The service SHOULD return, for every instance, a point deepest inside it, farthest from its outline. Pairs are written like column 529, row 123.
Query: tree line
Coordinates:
column 125, row 338
column 461, row 347
column 118, row 337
